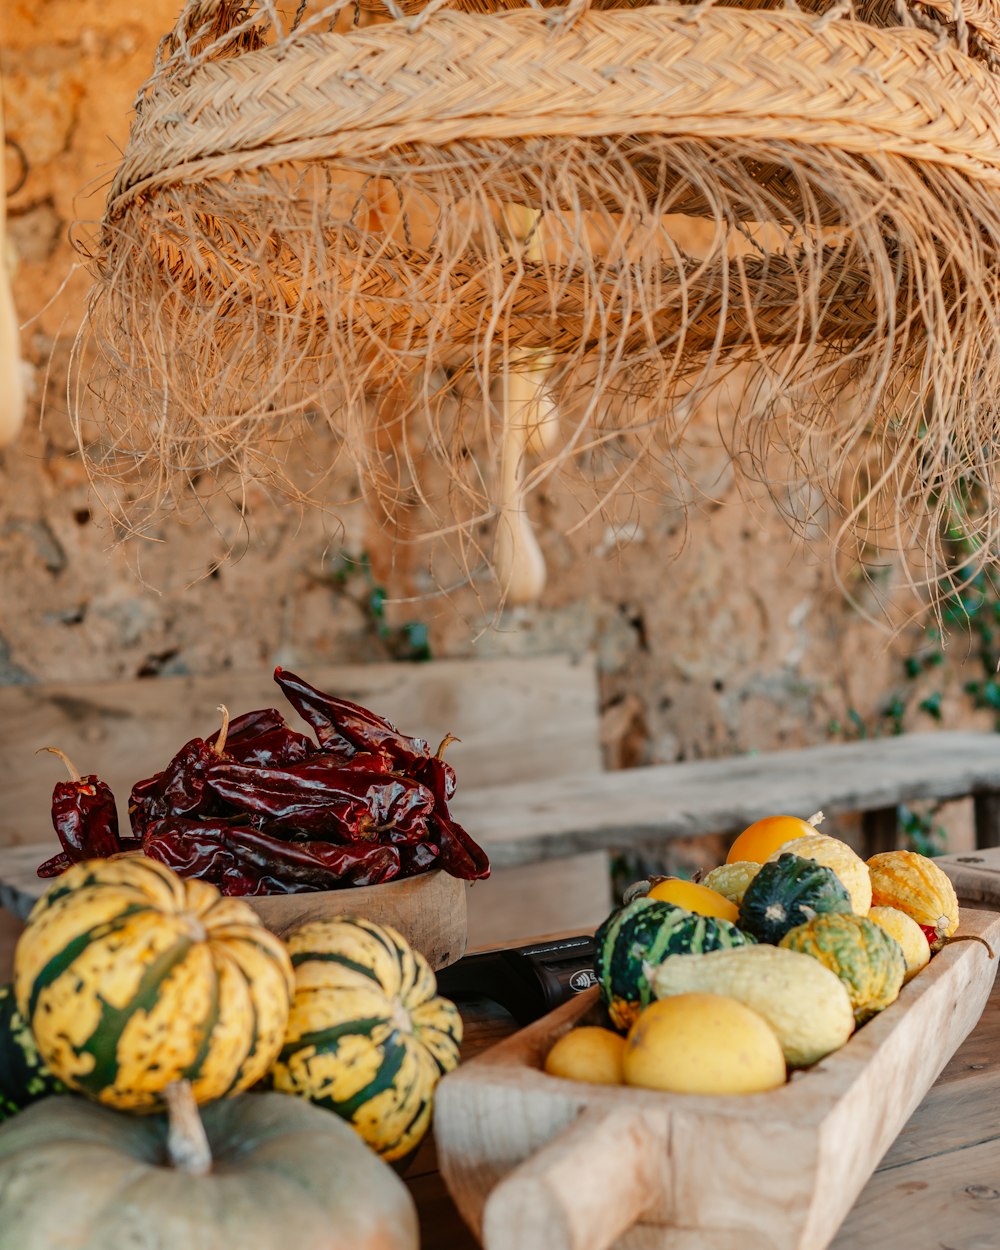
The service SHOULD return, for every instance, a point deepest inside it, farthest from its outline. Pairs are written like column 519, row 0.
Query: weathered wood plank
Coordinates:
column 525, row 718
column 569, row 895
column 524, row 821
column 975, row 875
column 946, row 1202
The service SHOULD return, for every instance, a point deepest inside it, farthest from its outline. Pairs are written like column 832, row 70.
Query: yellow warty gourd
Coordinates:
column 849, row 867
column 731, row 880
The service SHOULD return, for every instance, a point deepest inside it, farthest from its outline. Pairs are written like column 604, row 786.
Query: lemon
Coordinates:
column 587, row 1053
column 696, row 898
column 703, row 1044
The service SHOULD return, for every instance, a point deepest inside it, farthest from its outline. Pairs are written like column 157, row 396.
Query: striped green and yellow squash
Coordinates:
column 131, row 977
column 368, row 1036
column 637, row 938
column 24, row 1078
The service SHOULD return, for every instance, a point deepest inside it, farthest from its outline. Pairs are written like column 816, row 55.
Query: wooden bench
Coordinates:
column 531, row 789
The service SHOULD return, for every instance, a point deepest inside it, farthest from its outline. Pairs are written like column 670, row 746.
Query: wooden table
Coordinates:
column 938, row 1187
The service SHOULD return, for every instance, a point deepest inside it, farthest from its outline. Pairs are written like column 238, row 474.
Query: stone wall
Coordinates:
column 719, row 635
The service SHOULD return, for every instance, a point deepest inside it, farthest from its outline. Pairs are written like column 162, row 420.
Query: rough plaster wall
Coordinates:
column 739, row 642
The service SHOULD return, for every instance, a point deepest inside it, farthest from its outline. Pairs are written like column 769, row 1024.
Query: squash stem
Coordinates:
column 187, row 1142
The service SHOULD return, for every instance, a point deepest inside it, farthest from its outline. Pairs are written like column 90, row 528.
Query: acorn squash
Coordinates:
column 637, row 938
column 787, row 892
column 131, row 977
column 368, row 1035
column 914, row 884
column 868, row 961
column 806, row 1005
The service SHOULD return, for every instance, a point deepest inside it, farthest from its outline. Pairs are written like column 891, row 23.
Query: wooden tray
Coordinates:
column 429, row 910
column 537, row 1163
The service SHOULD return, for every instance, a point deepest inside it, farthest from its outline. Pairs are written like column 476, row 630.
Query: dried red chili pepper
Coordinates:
column 180, row 789
column 327, row 798
column 344, row 728
column 54, row 866
column 263, row 738
column 417, row 857
column 236, row 857
column 460, row 855
column 84, row 816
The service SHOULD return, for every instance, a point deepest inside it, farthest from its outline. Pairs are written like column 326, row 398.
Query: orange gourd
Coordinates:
column 760, row 840
column 914, row 884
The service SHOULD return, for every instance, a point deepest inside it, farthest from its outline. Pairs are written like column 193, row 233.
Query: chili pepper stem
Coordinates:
column 969, row 937
column 74, row 772
column 446, row 742
column 220, row 743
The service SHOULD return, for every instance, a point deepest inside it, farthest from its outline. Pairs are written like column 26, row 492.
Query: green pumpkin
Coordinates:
column 24, row 1078
column 637, row 938
column 787, row 892
column 867, row 959
column 76, row 1174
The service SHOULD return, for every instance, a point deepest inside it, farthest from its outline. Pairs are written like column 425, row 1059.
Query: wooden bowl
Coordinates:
column 428, row 910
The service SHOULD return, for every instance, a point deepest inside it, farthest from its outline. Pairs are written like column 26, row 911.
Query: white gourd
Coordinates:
column 518, row 562
column 530, row 426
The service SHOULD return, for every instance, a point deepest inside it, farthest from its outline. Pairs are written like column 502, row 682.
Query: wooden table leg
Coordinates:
column 987, row 815
column 879, row 831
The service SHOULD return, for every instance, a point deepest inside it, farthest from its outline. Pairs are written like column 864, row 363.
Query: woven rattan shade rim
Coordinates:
column 507, row 76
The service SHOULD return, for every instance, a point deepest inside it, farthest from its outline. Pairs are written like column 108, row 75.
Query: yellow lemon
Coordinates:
column 696, row 898
column 703, row 1044
column 587, row 1053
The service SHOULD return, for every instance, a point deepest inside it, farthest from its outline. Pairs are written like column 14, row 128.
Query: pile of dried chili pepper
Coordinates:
column 260, row 808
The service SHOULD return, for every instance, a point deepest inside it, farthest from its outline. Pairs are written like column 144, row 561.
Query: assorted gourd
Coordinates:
column 138, row 991
column 767, row 965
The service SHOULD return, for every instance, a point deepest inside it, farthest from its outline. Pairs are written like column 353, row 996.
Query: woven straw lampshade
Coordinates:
column 374, row 219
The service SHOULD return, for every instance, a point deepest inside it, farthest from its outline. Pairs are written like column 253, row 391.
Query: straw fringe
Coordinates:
column 307, row 226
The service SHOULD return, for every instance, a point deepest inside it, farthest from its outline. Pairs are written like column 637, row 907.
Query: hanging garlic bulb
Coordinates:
column 12, row 400
column 530, row 426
